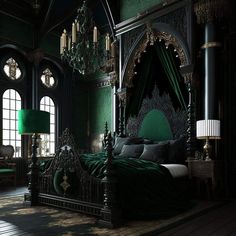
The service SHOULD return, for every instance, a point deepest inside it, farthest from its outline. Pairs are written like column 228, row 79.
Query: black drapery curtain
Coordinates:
column 157, row 66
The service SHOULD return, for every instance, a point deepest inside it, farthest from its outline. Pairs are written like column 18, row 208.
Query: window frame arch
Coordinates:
column 13, row 122
column 53, row 100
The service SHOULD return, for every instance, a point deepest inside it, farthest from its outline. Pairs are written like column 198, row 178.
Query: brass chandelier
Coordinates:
column 82, row 48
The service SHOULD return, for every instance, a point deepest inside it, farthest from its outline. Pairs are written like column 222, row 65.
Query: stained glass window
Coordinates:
column 12, row 69
column 47, row 78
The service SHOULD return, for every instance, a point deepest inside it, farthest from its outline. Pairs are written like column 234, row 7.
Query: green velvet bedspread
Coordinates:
column 144, row 188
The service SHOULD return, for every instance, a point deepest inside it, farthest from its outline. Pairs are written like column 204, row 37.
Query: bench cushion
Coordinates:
column 5, row 171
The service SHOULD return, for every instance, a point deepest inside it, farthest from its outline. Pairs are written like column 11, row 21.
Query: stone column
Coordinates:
column 187, row 73
column 207, row 12
column 35, row 57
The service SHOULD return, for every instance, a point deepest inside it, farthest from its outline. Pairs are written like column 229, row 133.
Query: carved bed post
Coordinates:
column 110, row 214
column 122, row 104
column 34, row 174
column 187, row 73
column 105, row 134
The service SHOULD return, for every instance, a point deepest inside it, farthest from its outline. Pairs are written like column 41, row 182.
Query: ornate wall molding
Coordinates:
column 151, row 37
column 209, row 10
column 176, row 19
column 177, row 118
column 122, row 95
column 129, row 39
column 110, row 80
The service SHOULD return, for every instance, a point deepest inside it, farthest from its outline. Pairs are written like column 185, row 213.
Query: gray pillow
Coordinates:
column 133, row 150
column 121, row 141
column 155, row 152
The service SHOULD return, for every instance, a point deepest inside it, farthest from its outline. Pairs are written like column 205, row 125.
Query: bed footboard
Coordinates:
column 65, row 184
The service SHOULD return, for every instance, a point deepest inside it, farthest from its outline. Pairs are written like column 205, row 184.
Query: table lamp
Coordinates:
column 208, row 129
column 33, row 122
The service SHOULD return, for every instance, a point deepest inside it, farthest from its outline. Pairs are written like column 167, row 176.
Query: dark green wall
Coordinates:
column 91, row 109
column 16, row 31
column 131, row 8
column 80, row 115
column 20, row 33
column 51, row 45
column 100, row 109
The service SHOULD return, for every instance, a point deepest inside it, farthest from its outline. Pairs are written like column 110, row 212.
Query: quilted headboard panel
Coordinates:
column 175, row 121
column 155, row 126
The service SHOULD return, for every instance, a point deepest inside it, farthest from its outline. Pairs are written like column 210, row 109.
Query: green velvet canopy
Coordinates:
column 33, row 121
column 157, row 67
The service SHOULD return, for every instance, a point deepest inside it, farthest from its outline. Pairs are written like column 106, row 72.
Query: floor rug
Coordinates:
column 19, row 219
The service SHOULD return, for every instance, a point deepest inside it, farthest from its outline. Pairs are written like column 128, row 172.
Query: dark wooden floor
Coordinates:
column 218, row 222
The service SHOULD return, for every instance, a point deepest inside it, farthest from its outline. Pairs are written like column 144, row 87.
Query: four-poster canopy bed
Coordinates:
column 135, row 176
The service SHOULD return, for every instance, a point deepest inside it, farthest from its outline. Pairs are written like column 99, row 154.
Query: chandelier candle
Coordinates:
column 81, row 48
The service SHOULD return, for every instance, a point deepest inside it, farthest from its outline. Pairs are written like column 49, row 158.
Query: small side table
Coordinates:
column 209, row 172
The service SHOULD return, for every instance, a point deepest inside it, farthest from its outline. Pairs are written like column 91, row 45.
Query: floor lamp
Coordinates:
column 208, row 129
column 33, row 122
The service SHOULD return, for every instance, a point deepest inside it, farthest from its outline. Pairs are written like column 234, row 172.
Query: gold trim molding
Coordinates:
column 122, row 95
column 209, row 10
column 210, row 45
column 188, row 78
column 151, row 37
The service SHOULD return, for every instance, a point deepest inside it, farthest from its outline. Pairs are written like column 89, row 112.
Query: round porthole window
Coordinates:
column 11, row 69
column 47, row 78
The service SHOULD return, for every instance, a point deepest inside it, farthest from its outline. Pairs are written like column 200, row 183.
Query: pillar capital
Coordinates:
column 36, row 56
column 122, row 95
column 209, row 10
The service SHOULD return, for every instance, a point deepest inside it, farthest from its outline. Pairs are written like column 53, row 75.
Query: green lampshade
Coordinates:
column 33, row 121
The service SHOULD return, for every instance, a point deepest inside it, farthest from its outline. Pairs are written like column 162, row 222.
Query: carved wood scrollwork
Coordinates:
column 122, row 95
column 135, row 58
column 207, row 11
column 151, row 37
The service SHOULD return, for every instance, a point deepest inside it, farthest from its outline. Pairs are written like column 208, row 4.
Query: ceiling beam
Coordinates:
column 109, row 16
column 46, row 18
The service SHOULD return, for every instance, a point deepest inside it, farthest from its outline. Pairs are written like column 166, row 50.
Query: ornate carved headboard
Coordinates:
column 177, row 118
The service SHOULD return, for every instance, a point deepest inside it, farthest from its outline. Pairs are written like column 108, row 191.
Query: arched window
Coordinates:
column 11, row 103
column 48, row 141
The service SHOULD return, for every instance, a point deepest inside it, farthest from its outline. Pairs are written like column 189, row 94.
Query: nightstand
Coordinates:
column 210, row 173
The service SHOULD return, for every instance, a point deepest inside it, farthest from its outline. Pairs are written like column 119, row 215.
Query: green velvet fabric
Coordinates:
column 155, row 126
column 172, row 73
column 141, row 85
column 4, row 171
column 157, row 67
column 33, row 121
column 145, row 189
